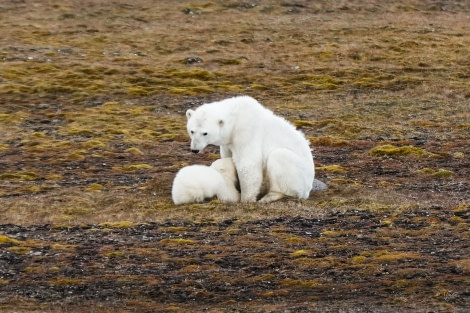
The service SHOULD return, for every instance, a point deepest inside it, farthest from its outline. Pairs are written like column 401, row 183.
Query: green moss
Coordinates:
column 115, row 254
column 426, row 170
column 327, row 141
column 147, row 70
column 441, row 173
column 258, row 87
column 358, row 259
column 345, row 181
column 384, row 256
column 229, row 61
column 367, row 82
column 201, row 89
column 27, row 176
column 464, row 207
column 39, row 135
column 91, row 144
column 324, row 55
column 177, row 229
column 138, row 91
column 136, row 167
column 319, row 81
column 390, row 150
column 178, row 90
column 77, row 131
column 19, row 250
column 331, row 168
column 386, row 222
column 230, row 87
column 293, row 239
column 456, row 220
column 170, row 137
column 134, row 150
column 6, row 239
column 95, row 187
column 195, row 73
column 334, row 233
column 300, row 253
column 77, row 155
column 33, row 269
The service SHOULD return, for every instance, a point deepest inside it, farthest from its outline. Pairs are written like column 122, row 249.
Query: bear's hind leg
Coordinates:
column 288, row 175
column 272, row 196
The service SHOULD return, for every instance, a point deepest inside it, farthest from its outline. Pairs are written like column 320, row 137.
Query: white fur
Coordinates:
column 197, row 183
column 271, row 157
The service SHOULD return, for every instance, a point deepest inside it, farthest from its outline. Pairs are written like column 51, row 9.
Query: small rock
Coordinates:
column 192, row 60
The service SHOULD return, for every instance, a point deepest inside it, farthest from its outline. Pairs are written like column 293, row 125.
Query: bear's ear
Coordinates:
column 189, row 113
column 221, row 123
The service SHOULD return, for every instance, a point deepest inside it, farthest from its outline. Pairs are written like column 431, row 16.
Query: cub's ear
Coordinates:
column 221, row 123
column 189, row 113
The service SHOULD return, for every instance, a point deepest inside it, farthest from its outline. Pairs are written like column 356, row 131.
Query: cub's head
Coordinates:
column 204, row 129
column 226, row 168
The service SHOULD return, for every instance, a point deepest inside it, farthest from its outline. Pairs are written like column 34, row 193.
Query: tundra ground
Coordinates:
column 92, row 103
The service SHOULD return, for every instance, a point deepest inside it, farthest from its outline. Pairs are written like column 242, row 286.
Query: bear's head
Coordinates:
column 205, row 128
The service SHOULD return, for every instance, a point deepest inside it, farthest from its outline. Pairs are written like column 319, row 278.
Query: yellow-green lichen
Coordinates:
column 6, row 239
column 134, row 150
column 95, row 187
column 27, row 175
column 390, row 150
column 440, row 173
column 300, row 253
column 136, row 167
column 331, row 168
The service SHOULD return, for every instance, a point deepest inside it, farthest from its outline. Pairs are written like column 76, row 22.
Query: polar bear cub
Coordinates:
column 197, row 183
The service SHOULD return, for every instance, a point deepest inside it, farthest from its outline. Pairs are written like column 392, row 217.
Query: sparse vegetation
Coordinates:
column 92, row 127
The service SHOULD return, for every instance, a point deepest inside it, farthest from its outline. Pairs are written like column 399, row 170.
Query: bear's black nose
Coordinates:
column 195, row 151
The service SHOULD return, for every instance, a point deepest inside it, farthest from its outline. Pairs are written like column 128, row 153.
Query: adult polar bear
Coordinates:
column 272, row 158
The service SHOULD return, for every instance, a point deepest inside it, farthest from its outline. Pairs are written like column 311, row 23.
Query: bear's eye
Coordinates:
column 192, row 132
column 204, row 134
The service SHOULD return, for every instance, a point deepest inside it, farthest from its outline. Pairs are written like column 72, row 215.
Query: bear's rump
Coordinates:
column 289, row 173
